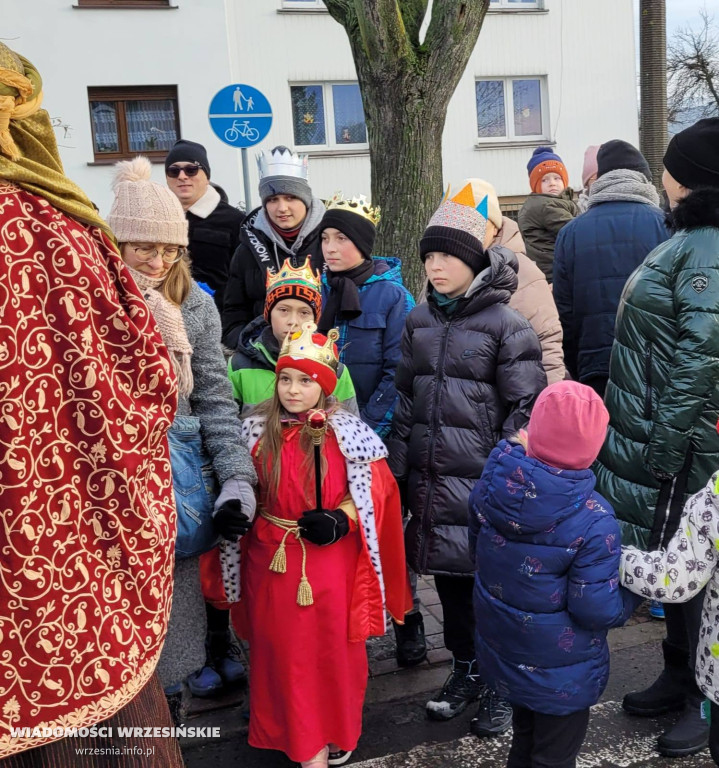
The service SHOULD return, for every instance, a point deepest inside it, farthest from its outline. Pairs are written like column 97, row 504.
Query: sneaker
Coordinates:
column 462, row 687
column 339, row 756
column 494, row 715
column 205, row 683
column 656, row 610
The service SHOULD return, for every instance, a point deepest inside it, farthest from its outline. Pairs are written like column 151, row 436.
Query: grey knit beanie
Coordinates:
column 283, row 172
column 144, row 211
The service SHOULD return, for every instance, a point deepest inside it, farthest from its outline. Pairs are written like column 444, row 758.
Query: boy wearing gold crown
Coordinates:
column 470, row 372
column 367, row 302
column 293, row 298
column 319, row 566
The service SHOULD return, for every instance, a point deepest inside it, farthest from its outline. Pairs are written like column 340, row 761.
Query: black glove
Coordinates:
column 230, row 521
column 325, row 527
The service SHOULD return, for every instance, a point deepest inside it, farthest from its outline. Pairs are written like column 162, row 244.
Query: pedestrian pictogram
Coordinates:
column 240, row 115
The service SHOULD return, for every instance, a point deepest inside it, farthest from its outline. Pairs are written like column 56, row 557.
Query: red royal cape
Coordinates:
column 87, row 394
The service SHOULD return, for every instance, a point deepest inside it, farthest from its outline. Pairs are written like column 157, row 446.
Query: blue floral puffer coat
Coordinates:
column 546, row 550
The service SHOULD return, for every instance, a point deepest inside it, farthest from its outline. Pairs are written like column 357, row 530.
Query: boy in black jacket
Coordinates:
column 470, row 371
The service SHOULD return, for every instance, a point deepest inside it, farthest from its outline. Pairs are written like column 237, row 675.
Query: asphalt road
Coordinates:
column 397, row 734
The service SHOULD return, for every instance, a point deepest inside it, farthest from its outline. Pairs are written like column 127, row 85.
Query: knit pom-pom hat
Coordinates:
column 568, row 426
column 542, row 162
column 143, row 211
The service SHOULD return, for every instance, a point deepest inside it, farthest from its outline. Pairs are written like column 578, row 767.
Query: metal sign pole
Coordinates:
column 246, row 179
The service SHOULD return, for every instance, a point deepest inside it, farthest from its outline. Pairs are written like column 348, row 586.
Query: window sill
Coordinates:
column 518, row 11
column 479, row 145
column 302, row 11
column 112, row 161
column 364, row 152
column 145, row 6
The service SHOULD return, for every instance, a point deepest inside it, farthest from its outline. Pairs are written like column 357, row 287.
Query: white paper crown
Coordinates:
column 282, row 161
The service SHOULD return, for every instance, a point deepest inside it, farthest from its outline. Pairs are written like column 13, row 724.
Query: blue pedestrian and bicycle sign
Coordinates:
column 240, row 115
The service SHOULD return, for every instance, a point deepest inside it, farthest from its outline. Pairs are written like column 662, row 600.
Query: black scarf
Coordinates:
column 343, row 302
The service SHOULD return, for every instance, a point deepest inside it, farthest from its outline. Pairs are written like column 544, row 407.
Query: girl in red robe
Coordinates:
column 316, row 578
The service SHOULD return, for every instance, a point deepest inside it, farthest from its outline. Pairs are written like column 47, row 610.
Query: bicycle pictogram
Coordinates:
column 241, row 128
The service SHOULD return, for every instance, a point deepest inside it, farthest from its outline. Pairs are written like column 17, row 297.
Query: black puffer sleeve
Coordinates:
column 520, row 374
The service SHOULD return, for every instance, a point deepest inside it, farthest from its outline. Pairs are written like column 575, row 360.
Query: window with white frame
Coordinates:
column 514, row 5
column 328, row 116
column 511, row 108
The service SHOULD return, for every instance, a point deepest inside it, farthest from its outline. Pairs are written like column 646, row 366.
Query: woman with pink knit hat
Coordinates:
column 589, row 175
column 211, row 466
column 546, row 552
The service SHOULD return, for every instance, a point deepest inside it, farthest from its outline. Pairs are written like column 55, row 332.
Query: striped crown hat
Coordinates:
column 458, row 228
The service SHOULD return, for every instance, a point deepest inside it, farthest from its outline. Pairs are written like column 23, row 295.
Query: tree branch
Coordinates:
column 452, row 21
column 413, row 13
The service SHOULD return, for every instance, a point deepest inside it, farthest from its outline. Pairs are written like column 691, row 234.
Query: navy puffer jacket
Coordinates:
column 464, row 382
column 593, row 258
column 546, row 551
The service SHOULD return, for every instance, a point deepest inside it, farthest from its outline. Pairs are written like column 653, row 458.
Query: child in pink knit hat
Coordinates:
column 546, row 552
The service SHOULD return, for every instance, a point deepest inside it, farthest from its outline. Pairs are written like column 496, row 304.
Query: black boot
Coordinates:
column 668, row 691
column 176, row 704
column 689, row 734
column 226, row 658
column 411, row 645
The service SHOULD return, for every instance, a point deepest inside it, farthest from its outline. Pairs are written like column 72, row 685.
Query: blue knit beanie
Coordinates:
column 544, row 161
column 540, row 155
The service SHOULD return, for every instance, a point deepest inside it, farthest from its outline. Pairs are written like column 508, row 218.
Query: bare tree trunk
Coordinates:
column 653, row 82
column 406, row 87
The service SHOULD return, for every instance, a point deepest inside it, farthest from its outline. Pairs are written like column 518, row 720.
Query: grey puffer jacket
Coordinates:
column 211, row 400
column 213, row 404
column 464, row 382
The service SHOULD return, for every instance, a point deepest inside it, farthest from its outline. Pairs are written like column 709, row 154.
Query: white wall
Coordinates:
column 203, row 45
column 75, row 48
column 591, row 92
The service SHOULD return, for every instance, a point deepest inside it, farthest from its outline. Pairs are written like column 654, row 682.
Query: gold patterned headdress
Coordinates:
column 359, row 205
column 294, row 283
column 313, row 354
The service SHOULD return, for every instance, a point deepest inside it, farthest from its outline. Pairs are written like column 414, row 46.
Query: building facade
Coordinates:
column 132, row 75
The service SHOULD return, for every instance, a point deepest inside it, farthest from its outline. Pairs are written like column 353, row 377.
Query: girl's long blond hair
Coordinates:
column 270, row 445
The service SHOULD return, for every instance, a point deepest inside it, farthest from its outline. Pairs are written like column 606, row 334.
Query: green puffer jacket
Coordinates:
column 663, row 391
column 540, row 219
column 251, row 370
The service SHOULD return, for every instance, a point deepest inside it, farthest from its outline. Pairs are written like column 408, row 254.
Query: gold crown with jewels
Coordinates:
column 300, row 344
column 303, row 275
column 359, row 205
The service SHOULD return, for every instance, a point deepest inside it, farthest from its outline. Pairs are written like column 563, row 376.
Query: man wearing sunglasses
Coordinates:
column 214, row 223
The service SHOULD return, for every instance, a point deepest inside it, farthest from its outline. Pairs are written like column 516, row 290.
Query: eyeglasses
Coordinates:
column 146, row 253
column 190, row 170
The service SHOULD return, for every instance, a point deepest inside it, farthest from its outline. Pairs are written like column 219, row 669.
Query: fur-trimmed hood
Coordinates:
column 700, row 208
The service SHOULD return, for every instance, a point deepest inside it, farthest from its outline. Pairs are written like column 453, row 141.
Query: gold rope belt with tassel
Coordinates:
column 279, row 559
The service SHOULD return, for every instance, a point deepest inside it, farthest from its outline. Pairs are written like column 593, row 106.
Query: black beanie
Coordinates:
column 692, row 156
column 185, row 151
column 361, row 231
column 456, row 242
column 618, row 155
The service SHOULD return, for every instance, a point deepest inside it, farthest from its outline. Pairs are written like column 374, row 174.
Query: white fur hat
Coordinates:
column 144, row 211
